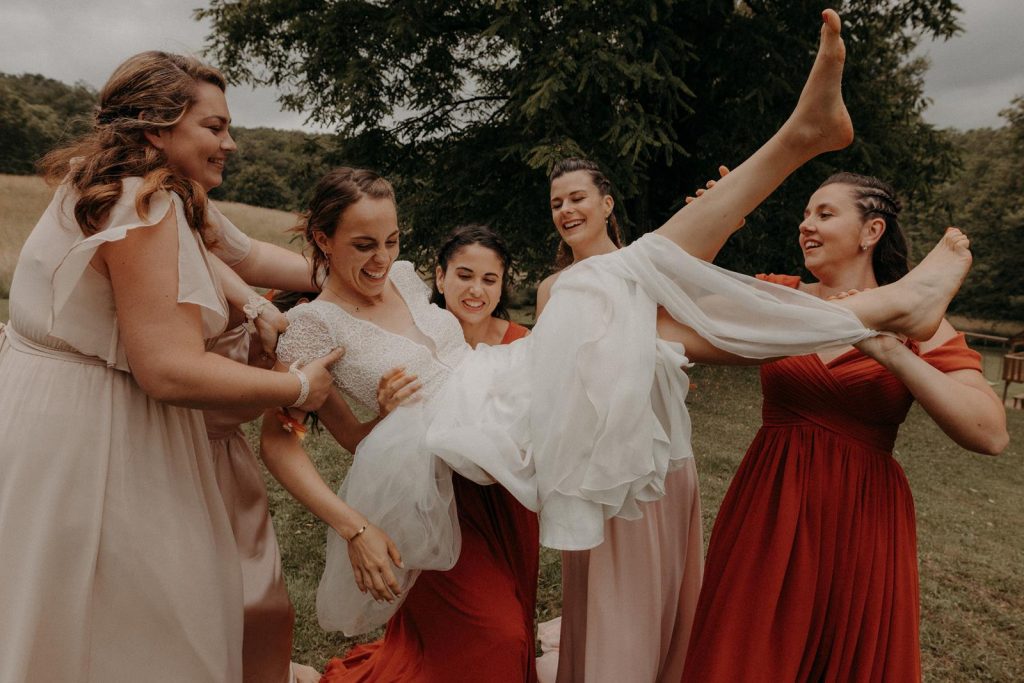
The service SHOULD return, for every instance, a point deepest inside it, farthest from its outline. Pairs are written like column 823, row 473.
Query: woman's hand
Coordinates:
column 394, row 389
column 881, row 347
column 318, row 372
column 722, row 172
column 270, row 324
column 372, row 553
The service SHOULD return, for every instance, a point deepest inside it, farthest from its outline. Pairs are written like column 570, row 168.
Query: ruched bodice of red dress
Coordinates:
column 811, row 572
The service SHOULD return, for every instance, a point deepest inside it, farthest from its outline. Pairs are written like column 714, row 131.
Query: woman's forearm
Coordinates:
column 961, row 403
column 274, row 267
column 208, row 380
column 289, row 463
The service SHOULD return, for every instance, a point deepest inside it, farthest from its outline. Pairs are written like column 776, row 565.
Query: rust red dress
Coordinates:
column 473, row 622
column 811, row 573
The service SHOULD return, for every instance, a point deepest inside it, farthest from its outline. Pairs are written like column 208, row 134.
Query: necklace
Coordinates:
column 358, row 306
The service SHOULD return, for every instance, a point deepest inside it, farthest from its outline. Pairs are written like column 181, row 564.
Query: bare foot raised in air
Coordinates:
column 915, row 304
column 933, row 284
column 820, row 122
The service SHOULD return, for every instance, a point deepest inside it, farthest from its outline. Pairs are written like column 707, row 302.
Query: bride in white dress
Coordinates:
column 582, row 419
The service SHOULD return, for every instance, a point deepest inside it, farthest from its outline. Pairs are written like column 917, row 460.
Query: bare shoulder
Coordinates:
column 544, row 290
column 547, row 283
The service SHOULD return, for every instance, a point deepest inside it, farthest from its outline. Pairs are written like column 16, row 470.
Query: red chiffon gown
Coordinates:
column 811, row 573
column 473, row 622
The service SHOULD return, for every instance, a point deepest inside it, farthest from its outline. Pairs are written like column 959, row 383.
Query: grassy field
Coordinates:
column 970, row 509
column 970, row 517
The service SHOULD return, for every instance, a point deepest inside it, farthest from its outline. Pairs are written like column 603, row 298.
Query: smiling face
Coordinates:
column 198, row 145
column 471, row 285
column 579, row 210
column 833, row 230
column 362, row 249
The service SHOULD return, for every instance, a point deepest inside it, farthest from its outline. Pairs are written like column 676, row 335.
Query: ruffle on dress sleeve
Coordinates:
column 954, row 355
column 230, row 244
column 71, row 278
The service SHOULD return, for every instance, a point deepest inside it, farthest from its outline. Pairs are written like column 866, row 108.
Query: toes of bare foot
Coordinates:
column 830, row 19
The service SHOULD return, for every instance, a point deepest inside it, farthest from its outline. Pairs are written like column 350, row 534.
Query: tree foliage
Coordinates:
column 985, row 197
column 273, row 168
column 465, row 104
column 36, row 113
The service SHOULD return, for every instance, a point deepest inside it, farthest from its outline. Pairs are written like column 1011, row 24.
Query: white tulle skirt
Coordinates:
column 581, row 420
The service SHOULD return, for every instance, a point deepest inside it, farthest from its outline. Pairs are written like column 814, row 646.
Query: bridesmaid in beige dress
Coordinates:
column 118, row 559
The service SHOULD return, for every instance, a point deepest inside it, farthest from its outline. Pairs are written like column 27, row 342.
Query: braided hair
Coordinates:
column 876, row 198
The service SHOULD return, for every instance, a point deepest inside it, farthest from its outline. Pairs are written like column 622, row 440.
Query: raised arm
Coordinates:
column 274, row 267
column 960, row 402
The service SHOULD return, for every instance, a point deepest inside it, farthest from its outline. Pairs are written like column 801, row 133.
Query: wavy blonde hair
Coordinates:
column 147, row 92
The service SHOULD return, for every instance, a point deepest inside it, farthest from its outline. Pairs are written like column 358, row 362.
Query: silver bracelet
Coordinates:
column 303, row 385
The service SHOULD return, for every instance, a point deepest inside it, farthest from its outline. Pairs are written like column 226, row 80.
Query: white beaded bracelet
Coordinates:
column 303, row 385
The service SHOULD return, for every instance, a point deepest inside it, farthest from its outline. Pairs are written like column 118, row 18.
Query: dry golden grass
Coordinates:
column 24, row 198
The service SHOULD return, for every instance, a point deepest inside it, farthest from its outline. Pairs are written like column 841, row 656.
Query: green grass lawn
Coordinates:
column 970, row 520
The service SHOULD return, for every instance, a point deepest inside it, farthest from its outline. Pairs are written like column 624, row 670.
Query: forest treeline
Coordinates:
column 981, row 189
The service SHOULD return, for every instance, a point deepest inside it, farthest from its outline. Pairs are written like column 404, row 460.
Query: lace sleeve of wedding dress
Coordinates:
column 307, row 338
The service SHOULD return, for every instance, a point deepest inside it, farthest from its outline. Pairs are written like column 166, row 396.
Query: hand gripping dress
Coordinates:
column 811, row 572
column 116, row 556
column 473, row 622
column 581, row 421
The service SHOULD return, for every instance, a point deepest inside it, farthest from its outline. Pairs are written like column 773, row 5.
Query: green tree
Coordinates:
column 258, row 184
column 985, row 197
column 273, row 168
column 466, row 104
column 35, row 114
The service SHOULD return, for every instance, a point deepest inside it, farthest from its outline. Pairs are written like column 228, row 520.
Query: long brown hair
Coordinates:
column 877, row 198
column 335, row 192
column 147, row 92
column 563, row 257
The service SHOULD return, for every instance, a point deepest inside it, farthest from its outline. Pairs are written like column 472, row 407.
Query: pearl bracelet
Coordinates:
column 303, row 385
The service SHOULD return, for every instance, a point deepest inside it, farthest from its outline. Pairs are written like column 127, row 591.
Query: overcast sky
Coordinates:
column 972, row 77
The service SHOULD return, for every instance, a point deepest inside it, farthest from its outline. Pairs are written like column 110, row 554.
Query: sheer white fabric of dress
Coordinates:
column 580, row 421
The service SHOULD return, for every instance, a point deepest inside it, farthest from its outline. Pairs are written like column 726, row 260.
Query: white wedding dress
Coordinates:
column 581, row 420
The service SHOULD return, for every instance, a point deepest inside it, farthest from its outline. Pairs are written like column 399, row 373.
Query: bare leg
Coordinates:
column 820, row 123
column 915, row 304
